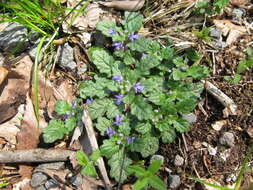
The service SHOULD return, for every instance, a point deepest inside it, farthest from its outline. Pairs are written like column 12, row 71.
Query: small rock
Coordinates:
column 41, row 188
column 231, row 178
column 50, row 184
column 224, row 155
column 238, row 13
column 77, row 181
column 227, row 139
column 191, row 117
column 14, row 38
column 212, row 151
column 174, row 181
column 218, row 125
column 81, row 69
column 215, row 32
column 38, row 179
column 179, row 160
column 219, row 44
column 66, row 58
column 157, row 157
column 52, row 166
column 32, row 51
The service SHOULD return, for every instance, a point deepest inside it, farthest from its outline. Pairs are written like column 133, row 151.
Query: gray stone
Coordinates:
column 52, row 166
column 32, row 51
column 179, row 160
column 227, row 139
column 50, row 184
column 38, row 179
column 41, row 188
column 66, row 58
column 157, row 157
column 219, row 44
column 14, row 38
column 174, row 181
column 78, row 180
column 82, row 69
column 216, row 33
column 191, row 117
column 238, row 13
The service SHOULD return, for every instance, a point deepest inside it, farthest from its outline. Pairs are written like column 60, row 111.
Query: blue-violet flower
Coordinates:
column 89, row 100
column 118, row 120
column 119, row 98
column 111, row 31
column 130, row 140
column 118, row 45
column 133, row 36
column 138, row 87
column 117, row 78
column 110, row 131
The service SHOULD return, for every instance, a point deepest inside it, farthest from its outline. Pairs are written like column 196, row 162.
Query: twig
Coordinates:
column 185, row 143
column 221, row 97
column 34, row 155
column 94, row 146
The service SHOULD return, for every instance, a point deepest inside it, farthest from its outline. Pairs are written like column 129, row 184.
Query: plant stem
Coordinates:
column 121, row 167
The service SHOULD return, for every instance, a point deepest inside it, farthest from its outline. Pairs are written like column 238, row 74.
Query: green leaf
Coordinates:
column 95, row 155
column 70, row 124
column 197, row 71
column 140, row 45
column 103, row 124
column 141, row 183
column 149, row 146
column 113, row 110
column 137, row 170
column 192, row 55
column 128, row 59
column 157, row 183
column 103, row 61
column 62, row 107
column 141, row 109
column 168, row 136
column 108, row 148
column 105, row 25
column 148, row 62
column 143, row 128
column 82, row 158
column 132, row 21
column 54, row 131
column 119, row 167
column 167, row 53
column 98, row 108
column 89, row 170
column 124, row 128
column 155, row 166
column 181, row 125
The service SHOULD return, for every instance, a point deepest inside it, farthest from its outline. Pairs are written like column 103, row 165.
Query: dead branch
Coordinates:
column 34, row 155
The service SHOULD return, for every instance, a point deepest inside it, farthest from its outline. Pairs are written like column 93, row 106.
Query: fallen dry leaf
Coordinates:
column 219, row 124
column 3, row 74
column 228, row 28
column 22, row 185
column 125, row 5
column 239, row 3
column 14, row 89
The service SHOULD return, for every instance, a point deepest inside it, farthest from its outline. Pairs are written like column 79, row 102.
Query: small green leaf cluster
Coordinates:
column 242, row 67
column 147, row 178
column 140, row 92
column 208, row 7
column 88, row 163
column 203, row 34
column 58, row 128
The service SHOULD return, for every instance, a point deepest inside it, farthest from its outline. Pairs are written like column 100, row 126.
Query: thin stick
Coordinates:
column 34, row 155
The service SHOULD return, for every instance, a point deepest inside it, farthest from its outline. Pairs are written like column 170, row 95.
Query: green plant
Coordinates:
column 147, row 178
column 203, row 34
column 208, row 7
column 40, row 16
column 4, row 183
column 242, row 67
column 139, row 93
column 239, row 178
column 58, row 128
column 88, row 163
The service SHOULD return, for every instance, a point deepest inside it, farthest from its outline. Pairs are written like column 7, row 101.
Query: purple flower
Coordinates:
column 118, row 45
column 110, row 132
column 144, row 54
column 117, row 78
column 119, row 98
column 89, row 100
column 74, row 104
column 130, row 140
column 138, row 87
column 118, row 120
column 111, row 31
column 133, row 36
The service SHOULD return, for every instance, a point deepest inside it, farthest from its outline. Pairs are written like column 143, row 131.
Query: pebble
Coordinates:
column 216, row 33
column 33, row 49
column 38, row 179
column 14, row 38
column 77, row 181
column 238, row 13
column 50, row 184
column 174, row 181
column 219, row 124
column 41, row 188
column 191, row 117
column 157, row 157
column 227, row 139
column 219, row 44
column 179, row 160
column 66, row 58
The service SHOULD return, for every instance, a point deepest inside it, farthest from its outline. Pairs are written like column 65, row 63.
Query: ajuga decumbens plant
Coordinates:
column 139, row 94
